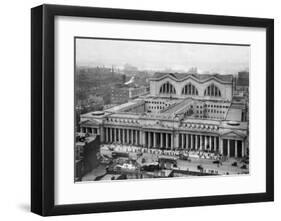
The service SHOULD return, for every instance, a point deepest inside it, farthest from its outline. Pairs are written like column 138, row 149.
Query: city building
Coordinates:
column 124, row 93
column 86, row 149
column 242, row 83
column 182, row 111
column 119, row 95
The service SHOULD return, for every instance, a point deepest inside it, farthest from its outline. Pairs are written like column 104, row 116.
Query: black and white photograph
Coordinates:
column 160, row 109
column 141, row 110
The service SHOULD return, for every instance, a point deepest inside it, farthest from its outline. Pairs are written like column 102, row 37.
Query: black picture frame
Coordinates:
column 42, row 109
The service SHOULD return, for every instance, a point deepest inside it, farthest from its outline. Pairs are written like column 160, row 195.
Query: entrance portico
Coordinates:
column 233, row 144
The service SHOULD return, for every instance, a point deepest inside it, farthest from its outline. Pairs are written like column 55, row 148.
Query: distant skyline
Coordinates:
column 145, row 55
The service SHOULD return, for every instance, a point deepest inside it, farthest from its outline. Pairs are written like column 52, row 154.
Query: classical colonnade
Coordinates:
column 169, row 140
column 122, row 136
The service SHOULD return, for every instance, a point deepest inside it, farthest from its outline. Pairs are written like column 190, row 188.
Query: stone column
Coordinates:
column 196, row 142
column 144, row 142
column 210, row 142
column 236, row 154
column 132, row 136
column 172, row 141
column 243, row 148
column 161, row 140
column 182, row 141
column 127, row 136
column 149, row 139
column 110, row 134
column 206, row 142
column 191, row 138
column 115, row 138
column 119, row 135
column 228, row 147
column 215, row 143
column 167, row 140
column 105, row 135
column 141, row 138
column 123, row 135
column 201, row 142
column 176, row 140
column 186, row 141
column 136, row 137
column 154, row 139
column 220, row 145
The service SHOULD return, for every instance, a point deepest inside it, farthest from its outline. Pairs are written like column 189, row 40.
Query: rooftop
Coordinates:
column 87, row 140
column 122, row 107
column 200, row 77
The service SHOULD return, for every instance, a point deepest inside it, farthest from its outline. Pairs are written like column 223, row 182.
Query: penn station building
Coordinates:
column 182, row 111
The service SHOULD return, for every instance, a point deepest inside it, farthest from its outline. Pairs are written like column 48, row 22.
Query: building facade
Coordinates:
column 123, row 94
column 182, row 111
column 86, row 149
column 242, row 83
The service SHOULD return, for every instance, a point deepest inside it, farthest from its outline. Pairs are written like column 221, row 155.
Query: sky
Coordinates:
column 223, row 59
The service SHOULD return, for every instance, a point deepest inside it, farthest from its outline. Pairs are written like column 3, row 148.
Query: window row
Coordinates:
column 190, row 89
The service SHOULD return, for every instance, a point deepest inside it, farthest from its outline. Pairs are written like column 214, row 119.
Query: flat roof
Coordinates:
column 177, row 107
column 121, row 106
column 234, row 114
column 126, row 115
column 202, row 121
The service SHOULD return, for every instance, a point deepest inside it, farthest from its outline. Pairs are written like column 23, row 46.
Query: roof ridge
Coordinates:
column 206, row 76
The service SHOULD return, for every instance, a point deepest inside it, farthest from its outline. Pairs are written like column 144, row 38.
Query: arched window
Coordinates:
column 213, row 91
column 167, row 88
column 189, row 89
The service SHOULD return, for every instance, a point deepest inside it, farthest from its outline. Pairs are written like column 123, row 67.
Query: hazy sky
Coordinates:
column 224, row 59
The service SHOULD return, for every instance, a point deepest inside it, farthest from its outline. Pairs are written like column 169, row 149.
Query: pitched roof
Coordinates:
column 200, row 77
